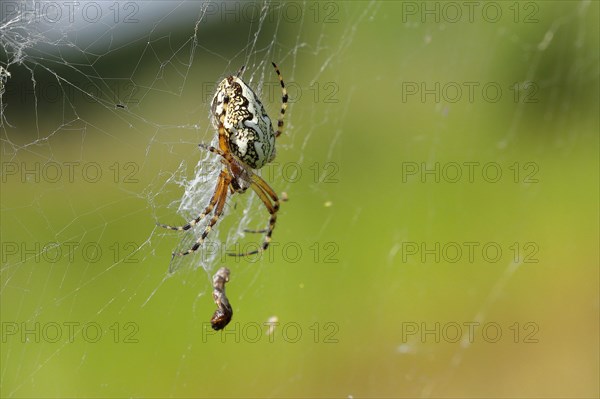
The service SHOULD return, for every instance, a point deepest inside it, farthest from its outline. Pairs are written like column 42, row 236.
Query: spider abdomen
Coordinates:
column 248, row 128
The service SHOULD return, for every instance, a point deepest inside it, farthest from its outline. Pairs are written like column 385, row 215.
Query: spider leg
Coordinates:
column 264, row 191
column 241, row 70
column 283, row 198
column 221, row 195
column 284, row 100
column 228, row 157
column 205, row 212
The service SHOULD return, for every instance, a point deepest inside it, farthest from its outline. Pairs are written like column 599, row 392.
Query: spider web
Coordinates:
column 102, row 108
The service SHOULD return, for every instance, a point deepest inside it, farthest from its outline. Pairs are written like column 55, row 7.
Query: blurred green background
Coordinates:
column 388, row 102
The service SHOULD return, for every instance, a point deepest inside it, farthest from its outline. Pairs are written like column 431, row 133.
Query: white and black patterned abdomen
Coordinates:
column 248, row 127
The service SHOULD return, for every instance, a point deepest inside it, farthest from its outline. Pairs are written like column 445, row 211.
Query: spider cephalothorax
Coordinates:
column 246, row 142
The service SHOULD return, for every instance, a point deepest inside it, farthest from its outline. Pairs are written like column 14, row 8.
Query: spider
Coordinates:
column 246, row 143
